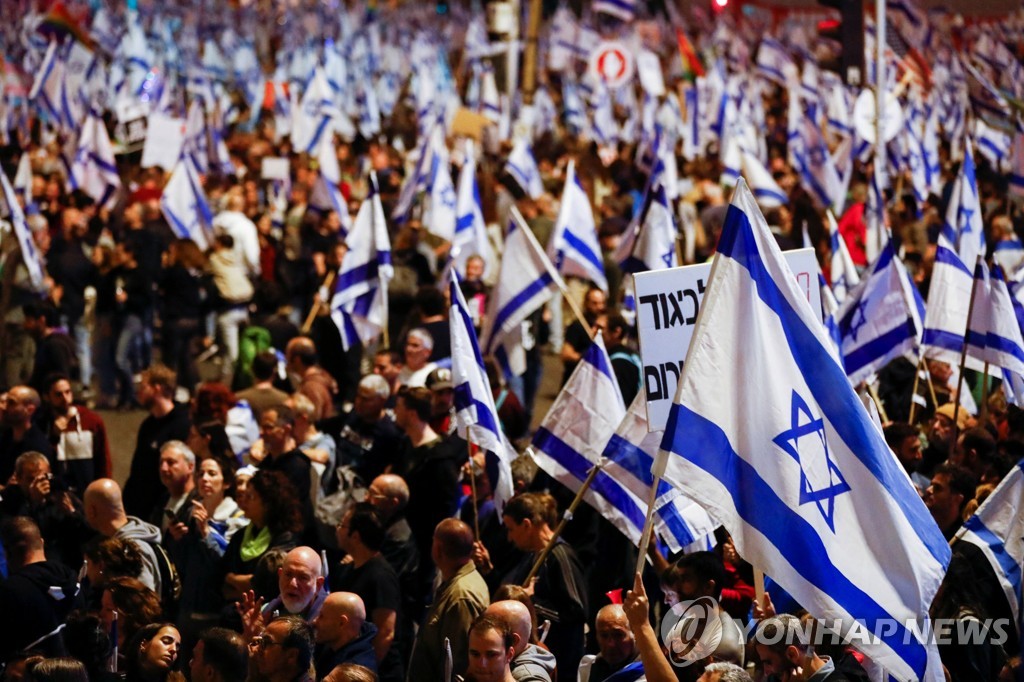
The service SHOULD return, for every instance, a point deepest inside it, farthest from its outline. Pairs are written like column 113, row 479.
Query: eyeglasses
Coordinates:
column 261, row 642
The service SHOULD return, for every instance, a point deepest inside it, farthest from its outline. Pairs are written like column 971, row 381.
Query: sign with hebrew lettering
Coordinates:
column 667, row 304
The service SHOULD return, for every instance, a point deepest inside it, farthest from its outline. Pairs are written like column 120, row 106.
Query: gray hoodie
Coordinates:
column 144, row 533
column 534, row 664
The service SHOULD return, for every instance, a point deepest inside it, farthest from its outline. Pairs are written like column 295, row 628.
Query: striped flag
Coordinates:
column 29, row 253
column 93, row 169
column 574, row 248
column 184, row 205
column 470, row 229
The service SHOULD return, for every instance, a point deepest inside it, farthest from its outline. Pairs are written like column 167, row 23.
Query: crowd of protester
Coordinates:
column 295, row 511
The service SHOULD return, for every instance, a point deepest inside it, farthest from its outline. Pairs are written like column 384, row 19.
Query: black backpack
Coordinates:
column 170, row 581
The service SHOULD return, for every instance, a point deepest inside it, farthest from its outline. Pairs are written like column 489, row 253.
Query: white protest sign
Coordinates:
column 648, row 67
column 667, row 305
column 165, row 136
column 275, row 168
column 612, row 62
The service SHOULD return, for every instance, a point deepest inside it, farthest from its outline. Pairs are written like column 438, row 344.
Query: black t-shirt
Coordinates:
column 577, row 336
column 367, row 447
column 377, row 584
column 143, row 489
column 298, row 469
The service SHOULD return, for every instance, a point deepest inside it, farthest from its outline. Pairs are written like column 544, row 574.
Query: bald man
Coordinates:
column 343, row 635
column 617, row 645
column 530, row 663
column 301, row 583
column 390, row 495
column 104, row 512
column 461, row 597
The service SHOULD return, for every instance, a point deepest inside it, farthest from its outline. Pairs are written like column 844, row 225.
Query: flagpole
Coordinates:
column 472, row 486
column 913, row 394
column 645, row 537
column 315, row 310
column 878, row 402
column 931, row 384
column 983, row 410
column 566, row 517
column 963, row 361
column 880, row 82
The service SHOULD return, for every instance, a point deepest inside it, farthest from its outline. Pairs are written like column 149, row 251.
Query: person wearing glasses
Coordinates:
column 284, row 652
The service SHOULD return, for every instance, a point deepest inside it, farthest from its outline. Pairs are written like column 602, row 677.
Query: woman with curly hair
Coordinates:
column 275, row 521
column 132, row 604
column 109, row 558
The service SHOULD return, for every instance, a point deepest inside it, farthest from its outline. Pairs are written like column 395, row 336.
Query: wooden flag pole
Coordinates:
column 983, row 408
column 472, row 486
column 645, row 536
column 566, row 517
column 913, row 394
column 315, row 310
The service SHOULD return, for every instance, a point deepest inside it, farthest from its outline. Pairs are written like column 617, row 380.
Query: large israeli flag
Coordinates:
column 841, row 268
column 963, row 226
column 574, row 248
column 184, row 205
column 526, row 282
column 359, row 304
column 197, row 144
column 94, row 169
column 470, row 229
column 875, row 322
column 476, row 416
column 29, row 253
column 995, row 336
column 784, row 455
column 997, row 529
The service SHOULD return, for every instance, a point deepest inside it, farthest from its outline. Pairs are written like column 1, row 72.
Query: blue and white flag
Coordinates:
column 314, row 118
column 775, row 63
column 197, row 143
column 997, row 529
column 655, row 245
column 623, row 10
column 995, row 336
column 963, row 227
column 994, row 145
column 526, row 282
column 359, row 304
column 29, row 252
column 94, row 170
column 762, row 184
column 811, row 159
column 523, row 168
column 476, row 416
column 574, row 248
column 52, row 94
column 185, row 207
column 418, row 180
column 1008, row 253
column 875, row 322
column 441, row 217
column 784, row 455
column 842, row 271
column 326, row 194
column 629, row 455
column 23, row 178
column 470, row 229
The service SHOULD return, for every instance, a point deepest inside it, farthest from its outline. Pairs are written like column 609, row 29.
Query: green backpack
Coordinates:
column 254, row 341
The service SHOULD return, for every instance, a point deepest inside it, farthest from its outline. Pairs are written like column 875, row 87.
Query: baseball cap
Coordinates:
column 440, row 379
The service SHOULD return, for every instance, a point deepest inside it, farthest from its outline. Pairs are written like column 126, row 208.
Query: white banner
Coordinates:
column 667, row 305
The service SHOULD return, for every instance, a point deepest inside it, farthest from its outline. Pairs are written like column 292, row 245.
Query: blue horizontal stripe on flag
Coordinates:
column 635, row 460
column 1004, row 345
column 815, row 362
column 520, row 299
column 943, row 339
column 599, row 361
column 877, row 348
column 580, row 247
column 771, row 194
column 579, row 467
column 464, row 400
column 1011, row 569
column 792, row 536
column 948, row 257
column 676, row 524
column 358, row 275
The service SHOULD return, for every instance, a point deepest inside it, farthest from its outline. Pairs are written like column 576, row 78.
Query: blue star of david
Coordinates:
column 859, row 319
column 789, row 442
column 817, row 156
column 667, row 258
column 448, row 197
column 965, row 218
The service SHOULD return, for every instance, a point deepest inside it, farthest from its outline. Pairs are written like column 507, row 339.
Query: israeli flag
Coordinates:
column 995, row 336
column 766, row 190
column 326, row 195
column 875, row 322
column 93, row 169
column 418, row 180
column 196, row 145
column 811, row 158
column 629, row 455
column 23, row 178
column 184, row 205
column 523, row 168
column 775, row 63
column 359, row 306
column 655, row 242
column 527, row 280
column 623, row 10
column 315, row 115
column 476, row 416
column 785, row 456
column 841, row 268
column 574, row 248
column 29, row 253
column 997, row 529
column 470, row 229
column 993, row 144
column 51, row 93
column 1008, row 253
column 442, row 215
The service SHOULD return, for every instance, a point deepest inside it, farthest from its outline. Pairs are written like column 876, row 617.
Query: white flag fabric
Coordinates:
column 443, row 201
column 574, row 248
column 526, row 282
column 995, row 336
column 623, row 10
column 997, row 529
column 476, row 416
column 94, row 169
column 655, row 245
column 784, row 455
column 359, row 303
column 197, row 143
column 523, row 168
column 184, row 205
column 470, row 229
column 314, row 117
column 29, row 253
column 51, row 92
column 841, row 268
column 326, row 195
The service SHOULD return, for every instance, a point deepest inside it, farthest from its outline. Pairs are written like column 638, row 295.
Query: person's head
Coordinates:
column 210, row 439
column 442, row 391
column 361, row 528
column 22, row 542
column 517, row 618
column 177, row 467
column 941, row 427
column 264, row 365
column 388, row 364
column 285, row 649
column 974, row 449
column 905, row 442
column 614, row 637
column 219, row 656
column 700, row 574
column 60, row 669
column 59, row 395
column 350, row 672
column 212, row 402
column 273, row 502
column 371, row 396
column 452, row 546
column 300, row 579
column 617, row 330
column 32, row 472
column 215, row 478
column 22, row 403
column 475, row 266
column 952, row 486
column 300, row 354
column 104, row 508
column 595, row 302
column 724, row 672
column 526, row 517
column 305, row 413
column 389, row 493
column 109, row 558
column 419, row 344
column 276, row 426
column 490, row 650
column 157, row 386
column 153, row 651
column 430, row 300
column 186, row 253
column 783, row 645
column 413, row 407
column 340, row 619
column 87, row 640
column 133, row 603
